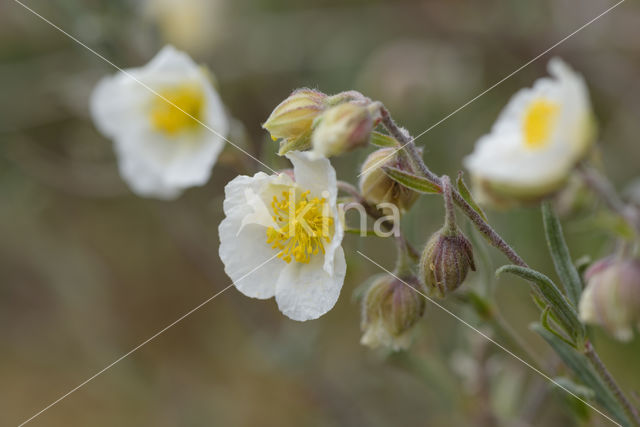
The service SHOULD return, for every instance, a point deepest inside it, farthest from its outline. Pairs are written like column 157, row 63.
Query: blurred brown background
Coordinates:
column 88, row 271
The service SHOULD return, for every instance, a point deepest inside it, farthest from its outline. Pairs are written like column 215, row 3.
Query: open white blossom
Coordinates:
column 162, row 147
column 294, row 219
column 537, row 140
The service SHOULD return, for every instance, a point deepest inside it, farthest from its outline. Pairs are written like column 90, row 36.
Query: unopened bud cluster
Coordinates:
column 390, row 310
column 446, row 261
column 331, row 125
column 611, row 298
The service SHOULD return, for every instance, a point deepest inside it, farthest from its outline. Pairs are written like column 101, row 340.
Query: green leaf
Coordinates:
column 579, row 364
column 565, row 268
column 466, row 195
column 579, row 390
column 411, row 181
column 544, row 320
column 565, row 312
column 382, row 140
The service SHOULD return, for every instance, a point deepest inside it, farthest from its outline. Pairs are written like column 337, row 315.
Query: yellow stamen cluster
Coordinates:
column 303, row 227
column 168, row 109
column 539, row 122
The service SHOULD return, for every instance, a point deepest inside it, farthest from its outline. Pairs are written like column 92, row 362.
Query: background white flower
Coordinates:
column 263, row 220
column 161, row 150
column 539, row 136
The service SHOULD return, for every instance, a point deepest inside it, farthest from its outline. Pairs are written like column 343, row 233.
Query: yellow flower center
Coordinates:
column 178, row 108
column 302, row 227
column 539, row 122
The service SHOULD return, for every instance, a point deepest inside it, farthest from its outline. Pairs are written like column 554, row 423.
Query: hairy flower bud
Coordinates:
column 611, row 298
column 292, row 120
column 342, row 128
column 376, row 186
column 390, row 309
column 445, row 262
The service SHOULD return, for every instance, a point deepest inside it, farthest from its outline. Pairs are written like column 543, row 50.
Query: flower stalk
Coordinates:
column 407, row 143
column 602, row 370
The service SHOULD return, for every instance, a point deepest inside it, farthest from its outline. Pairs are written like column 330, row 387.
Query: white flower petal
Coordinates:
column 118, row 104
column 306, row 291
column 245, row 248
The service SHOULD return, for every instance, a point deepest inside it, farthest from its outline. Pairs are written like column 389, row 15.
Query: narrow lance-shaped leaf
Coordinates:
column 466, row 195
column 560, row 254
column 411, row 181
column 579, row 390
column 544, row 321
column 579, row 364
column 382, row 140
column 559, row 304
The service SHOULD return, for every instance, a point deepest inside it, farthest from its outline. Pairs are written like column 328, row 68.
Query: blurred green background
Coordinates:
column 88, row 271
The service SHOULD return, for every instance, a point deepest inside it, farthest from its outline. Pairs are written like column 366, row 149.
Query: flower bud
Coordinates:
column 376, row 187
column 292, row 120
column 445, row 262
column 611, row 298
column 341, row 129
column 390, row 309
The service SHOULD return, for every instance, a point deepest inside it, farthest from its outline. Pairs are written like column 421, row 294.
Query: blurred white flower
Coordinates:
column 537, row 139
column 295, row 219
column 193, row 25
column 161, row 150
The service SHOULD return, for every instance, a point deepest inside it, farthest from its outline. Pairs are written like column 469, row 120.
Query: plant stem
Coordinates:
column 450, row 212
column 629, row 409
column 603, row 188
column 487, row 231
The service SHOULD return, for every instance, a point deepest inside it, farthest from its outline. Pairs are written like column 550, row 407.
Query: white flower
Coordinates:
column 537, row 139
column 295, row 219
column 161, row 150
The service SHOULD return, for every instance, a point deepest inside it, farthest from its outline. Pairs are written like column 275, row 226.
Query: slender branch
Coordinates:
column 629, row 409
column 487, row 231
column 450, row 212
column 603, row 188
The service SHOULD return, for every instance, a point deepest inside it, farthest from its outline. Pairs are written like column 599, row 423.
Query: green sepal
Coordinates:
column 411, row 181
column 301, row 143
column 384, row 141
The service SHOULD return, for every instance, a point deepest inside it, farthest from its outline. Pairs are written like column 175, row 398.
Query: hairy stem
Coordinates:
column 487, row 231
column 629, row 409
column 450, row 212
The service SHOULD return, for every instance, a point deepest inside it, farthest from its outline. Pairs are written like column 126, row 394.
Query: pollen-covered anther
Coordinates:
column 303, row 226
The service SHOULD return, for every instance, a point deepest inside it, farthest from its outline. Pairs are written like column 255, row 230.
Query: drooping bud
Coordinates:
column 611, row 298
column 390, row 309
column 377, row 187
column 446, row 261
column 292, row 120
column 342, row 128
